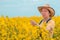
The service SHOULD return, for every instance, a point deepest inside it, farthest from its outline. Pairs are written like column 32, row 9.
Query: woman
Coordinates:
column 47, row 13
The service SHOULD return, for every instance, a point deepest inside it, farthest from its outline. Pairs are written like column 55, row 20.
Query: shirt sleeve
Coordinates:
column 50, row 25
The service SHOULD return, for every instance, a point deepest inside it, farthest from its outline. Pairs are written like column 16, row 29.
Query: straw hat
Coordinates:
column 51, row 10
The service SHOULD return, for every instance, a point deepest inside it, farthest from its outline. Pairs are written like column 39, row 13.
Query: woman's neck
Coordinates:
column 45, row 19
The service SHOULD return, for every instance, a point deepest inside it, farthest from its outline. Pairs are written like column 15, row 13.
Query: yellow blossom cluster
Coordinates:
column 20, row 28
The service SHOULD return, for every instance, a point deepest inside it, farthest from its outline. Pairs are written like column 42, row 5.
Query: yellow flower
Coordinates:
column 19, row 28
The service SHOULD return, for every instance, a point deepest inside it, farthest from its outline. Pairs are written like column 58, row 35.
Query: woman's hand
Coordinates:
column 33, row 22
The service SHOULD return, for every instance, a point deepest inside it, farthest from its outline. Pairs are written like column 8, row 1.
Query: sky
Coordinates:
column 14, row 8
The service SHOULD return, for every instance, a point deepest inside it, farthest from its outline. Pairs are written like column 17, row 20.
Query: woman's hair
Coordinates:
column 49, row 13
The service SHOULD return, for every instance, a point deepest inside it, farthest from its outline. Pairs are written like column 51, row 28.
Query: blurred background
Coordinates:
column 14, row 8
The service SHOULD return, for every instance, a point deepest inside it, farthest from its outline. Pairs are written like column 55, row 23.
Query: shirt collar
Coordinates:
column 48, row 20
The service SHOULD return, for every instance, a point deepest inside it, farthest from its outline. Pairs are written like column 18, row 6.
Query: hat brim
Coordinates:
column 52, row 11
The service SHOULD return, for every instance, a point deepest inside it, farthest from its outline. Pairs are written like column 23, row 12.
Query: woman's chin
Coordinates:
column 44, row 17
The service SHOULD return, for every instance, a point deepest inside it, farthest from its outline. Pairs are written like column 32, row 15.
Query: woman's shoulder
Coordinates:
column 52, row 22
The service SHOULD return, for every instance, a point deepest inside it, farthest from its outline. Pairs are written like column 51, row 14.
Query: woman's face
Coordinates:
column 45, row 13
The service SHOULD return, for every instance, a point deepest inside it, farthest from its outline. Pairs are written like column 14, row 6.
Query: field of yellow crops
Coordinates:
column 20, row 28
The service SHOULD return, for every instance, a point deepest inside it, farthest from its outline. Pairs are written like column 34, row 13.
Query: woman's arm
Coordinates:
column 34, row 23
column 50, row 27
